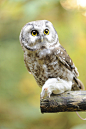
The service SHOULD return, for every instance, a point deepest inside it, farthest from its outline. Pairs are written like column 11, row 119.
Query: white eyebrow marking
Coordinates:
column 70, row 61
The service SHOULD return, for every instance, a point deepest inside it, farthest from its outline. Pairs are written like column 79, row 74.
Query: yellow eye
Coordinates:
column 46, row 31
column 34, row 32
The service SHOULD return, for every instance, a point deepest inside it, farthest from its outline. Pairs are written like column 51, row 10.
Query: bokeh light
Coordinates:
column 71, row 5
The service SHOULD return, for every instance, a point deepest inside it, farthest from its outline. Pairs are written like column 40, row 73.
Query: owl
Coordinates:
column 44, row 57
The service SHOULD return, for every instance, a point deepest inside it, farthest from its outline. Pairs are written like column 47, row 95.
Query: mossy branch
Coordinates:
column 66, row 102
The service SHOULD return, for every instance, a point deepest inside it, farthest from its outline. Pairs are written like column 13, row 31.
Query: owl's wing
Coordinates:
column 65, row 59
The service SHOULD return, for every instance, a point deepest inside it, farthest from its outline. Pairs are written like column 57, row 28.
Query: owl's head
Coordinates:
column 38, row 34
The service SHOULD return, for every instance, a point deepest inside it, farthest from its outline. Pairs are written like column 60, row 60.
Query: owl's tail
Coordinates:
column 77, row 84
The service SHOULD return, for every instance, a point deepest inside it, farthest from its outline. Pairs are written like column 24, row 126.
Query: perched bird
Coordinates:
column 47, row 60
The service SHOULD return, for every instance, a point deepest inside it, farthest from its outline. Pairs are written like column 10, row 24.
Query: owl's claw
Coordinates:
column 49, row 95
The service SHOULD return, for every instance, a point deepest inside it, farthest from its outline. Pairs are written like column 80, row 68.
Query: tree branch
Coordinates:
column 65, row 102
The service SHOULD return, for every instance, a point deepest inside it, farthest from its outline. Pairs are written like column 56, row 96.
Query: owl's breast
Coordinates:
column 46, row 66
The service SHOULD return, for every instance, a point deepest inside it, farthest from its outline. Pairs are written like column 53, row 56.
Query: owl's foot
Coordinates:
column 56, row 86
column 45, row 92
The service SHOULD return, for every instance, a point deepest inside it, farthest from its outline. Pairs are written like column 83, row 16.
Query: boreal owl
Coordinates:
column 51, row 66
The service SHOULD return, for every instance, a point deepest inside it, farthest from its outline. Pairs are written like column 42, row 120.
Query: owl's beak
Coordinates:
column 41, row 38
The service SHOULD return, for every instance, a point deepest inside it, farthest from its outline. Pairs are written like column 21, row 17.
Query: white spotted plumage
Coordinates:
column 46, row 59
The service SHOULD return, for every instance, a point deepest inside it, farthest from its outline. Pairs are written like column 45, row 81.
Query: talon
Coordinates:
column 49, row 95
column 42, row 97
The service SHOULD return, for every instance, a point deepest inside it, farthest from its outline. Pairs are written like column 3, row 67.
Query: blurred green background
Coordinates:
column 19, row 93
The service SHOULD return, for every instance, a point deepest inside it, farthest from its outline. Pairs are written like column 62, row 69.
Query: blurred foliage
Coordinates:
column 19, row 93
column 82, row 126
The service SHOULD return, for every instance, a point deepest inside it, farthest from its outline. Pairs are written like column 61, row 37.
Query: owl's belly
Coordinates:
column 47, row 68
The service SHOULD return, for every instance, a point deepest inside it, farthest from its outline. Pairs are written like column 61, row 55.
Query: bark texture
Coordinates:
column 66, row 102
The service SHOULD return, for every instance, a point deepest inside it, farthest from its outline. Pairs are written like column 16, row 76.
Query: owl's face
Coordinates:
column 38, row 34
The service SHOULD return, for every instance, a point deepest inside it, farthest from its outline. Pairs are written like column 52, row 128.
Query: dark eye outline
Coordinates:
column 34, row 32
column 46, row 32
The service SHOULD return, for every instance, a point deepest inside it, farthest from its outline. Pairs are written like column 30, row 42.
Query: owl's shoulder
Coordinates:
column 65, row 59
